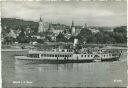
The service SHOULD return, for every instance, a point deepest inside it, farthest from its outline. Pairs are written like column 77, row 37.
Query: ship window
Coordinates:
column 55, row 55
column 85, row 55
column 110, row 54
column 62, row 50
column 113, row 54
column 104, row 55
column 81, row 55
column 38, row 55
column 44, row 55
column 63, row 55
column 88, row 55
column 91, row 55
column 52, row 55
column 49, row 55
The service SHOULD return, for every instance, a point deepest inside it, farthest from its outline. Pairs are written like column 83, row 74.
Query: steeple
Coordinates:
column 72, row 23
column 49, row 27
column 41, row 25
column 85, row 25
column 40, row 19
column 73, row 30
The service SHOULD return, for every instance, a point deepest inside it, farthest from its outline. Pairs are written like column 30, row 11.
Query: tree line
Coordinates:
column 119, row 35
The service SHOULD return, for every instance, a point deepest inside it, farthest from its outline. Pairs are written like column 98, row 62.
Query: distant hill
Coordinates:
column 13, row 22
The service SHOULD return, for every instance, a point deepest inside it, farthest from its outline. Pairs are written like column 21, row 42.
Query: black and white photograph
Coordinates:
column 64, row 44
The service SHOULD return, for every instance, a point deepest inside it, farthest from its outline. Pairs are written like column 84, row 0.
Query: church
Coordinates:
column 50, row 27
column 43, row 26
column 57, row 28
column 75, row 30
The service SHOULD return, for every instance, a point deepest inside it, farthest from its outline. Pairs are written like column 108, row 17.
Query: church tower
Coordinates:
column 73, row 30
column 41, row 26
column 85, row 26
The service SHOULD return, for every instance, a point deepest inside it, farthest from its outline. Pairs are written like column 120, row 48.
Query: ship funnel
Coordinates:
column 75, row 42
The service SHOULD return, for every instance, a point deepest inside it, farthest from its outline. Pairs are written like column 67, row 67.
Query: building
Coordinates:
column 28, row 30
column 67, row 35
column 78, row 29
column 56, row 28
column 93, row 30
column 85, row 26
column 43, row 26
column 106, row 29
column 12, row 33
column 73, row 30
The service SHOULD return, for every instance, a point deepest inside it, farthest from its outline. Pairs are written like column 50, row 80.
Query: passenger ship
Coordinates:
column 70, row 56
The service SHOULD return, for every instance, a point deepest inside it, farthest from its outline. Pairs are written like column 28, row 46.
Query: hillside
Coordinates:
column 13, row 22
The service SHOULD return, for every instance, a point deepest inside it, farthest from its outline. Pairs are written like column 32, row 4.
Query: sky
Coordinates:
column 96, row 13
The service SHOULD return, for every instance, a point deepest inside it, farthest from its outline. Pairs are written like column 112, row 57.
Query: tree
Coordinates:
column 122, row 29
column 22, row 37
column 71, row 39
column 84, row 35
column 61, row 38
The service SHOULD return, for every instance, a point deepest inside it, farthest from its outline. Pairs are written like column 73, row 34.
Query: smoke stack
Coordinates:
column 75, row 42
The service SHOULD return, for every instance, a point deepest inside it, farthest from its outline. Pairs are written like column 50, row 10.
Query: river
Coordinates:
column 99, row 74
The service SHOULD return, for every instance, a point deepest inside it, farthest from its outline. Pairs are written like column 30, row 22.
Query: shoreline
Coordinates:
column 14, row 49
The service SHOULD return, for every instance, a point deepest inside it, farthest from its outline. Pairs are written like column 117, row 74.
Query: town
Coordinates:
column 16, row 31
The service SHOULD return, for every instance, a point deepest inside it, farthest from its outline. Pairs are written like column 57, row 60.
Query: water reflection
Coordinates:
column 45, row 67
column 71, row 74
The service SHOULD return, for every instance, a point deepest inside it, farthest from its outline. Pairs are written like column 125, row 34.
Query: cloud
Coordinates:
column 102, row 14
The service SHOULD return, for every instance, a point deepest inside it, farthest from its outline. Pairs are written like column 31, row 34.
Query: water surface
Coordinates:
column 99, row 74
